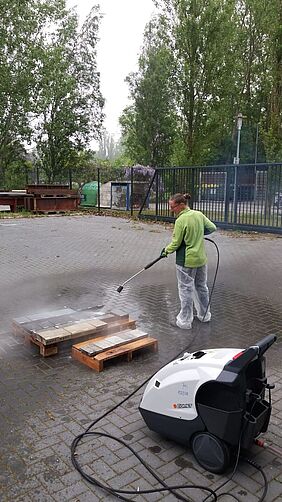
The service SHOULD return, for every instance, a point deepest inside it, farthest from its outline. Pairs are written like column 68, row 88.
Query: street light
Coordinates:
column 239, row 118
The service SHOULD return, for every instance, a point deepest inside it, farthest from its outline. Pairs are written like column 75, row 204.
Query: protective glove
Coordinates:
column 163, row 253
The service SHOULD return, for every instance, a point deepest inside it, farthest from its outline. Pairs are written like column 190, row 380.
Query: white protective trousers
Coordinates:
column 193, row 291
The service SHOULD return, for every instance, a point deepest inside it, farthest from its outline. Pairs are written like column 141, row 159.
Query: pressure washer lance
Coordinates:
column 120, row 288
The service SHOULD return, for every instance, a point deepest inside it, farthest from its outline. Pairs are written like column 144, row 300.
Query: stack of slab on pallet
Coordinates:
column 102, row 335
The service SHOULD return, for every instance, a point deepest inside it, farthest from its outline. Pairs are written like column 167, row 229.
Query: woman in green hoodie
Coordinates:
column 191, row 260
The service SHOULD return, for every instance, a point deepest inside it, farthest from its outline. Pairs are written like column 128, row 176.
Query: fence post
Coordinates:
column 173, row 182
column 227, row 195
column 235, row 196
column 147, row 195
column 157, row 193
column 131, row 190
column 191, row 203
column 98, row 191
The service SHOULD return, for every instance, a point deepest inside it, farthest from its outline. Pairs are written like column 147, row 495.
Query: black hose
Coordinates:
column 171, row 489
column 119, row 493
column 258, row 467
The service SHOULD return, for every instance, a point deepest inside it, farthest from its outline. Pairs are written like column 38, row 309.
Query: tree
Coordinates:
column 148, row 126
column 273, row 124
column 222, row 58
column 70, row 103
column 108, row 147
column 49, row 85
column 21, row 32
column 258, row 76
column 201, row 43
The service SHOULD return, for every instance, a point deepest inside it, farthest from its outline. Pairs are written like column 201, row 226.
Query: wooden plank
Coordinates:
column 89, row 361
column 48, row 351
column 124, row 349
column 44, row 351
column 97, row 362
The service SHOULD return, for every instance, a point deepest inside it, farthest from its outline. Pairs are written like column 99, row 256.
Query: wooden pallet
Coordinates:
column 96, row 362
column 68, row 325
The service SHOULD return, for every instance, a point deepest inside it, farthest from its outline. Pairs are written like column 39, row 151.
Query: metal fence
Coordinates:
column 124, row 189
column 246, row 197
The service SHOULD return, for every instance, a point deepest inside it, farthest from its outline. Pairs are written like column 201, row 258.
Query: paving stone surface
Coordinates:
column 54, row 263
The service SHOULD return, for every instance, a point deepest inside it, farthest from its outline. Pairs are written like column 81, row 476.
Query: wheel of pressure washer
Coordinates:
column 210, row 452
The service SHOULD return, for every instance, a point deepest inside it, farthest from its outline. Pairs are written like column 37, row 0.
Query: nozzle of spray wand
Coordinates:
column 120, row 288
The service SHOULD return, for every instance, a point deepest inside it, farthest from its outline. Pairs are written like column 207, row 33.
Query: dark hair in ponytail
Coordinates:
column 180, row 198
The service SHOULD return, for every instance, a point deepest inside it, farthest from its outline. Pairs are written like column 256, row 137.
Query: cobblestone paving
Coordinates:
column 78, row 262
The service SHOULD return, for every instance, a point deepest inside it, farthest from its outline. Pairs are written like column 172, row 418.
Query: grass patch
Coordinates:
column 20, row 214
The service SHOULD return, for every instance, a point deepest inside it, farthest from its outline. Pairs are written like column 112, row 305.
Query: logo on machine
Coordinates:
column 181, row 405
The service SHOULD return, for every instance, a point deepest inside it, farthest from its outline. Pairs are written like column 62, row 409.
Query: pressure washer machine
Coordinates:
column 212, row 400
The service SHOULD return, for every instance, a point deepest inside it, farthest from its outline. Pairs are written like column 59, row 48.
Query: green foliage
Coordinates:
column 149, row 125
column 222, row 57
column 109, row 148
column 17, row 174
column 20, row 28
column 202, row 62
column 70, row 103
column 49, row 85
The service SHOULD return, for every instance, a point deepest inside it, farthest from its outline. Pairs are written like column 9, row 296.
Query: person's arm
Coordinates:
column 177, row 238
column 209, row 226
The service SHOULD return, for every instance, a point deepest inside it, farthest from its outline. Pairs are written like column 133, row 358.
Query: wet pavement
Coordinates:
column 77, row 262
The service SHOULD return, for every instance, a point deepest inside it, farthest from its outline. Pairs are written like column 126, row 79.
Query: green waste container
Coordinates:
column 89, row 194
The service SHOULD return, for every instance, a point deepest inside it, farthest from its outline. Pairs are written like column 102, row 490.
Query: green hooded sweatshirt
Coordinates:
column 188, row 238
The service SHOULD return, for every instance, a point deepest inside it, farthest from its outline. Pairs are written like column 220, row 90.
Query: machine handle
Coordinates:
column 153, row 262
column 240, row 362
column 265, row 343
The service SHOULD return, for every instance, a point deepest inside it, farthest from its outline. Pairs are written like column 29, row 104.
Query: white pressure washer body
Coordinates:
column 211, row 400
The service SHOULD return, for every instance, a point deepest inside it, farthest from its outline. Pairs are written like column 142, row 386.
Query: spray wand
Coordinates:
column 120, row 288
column 162, row 255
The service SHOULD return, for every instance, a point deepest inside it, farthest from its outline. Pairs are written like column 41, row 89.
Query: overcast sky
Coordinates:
column 121, row 35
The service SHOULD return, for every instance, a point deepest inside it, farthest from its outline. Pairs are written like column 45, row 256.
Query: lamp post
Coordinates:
column 239, row 117
column 256, row 159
